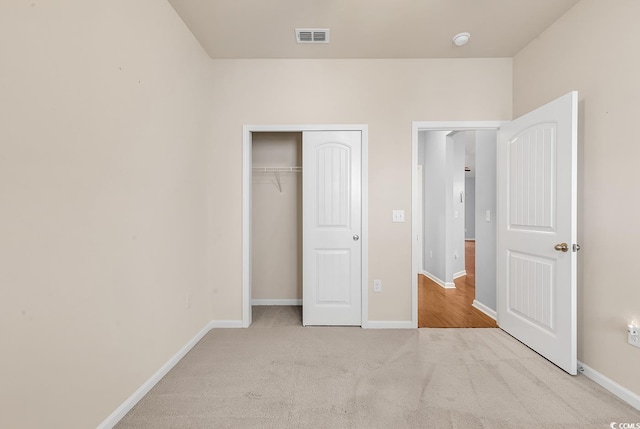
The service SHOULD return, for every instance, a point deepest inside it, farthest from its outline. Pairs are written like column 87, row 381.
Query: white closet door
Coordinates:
column 332, row 254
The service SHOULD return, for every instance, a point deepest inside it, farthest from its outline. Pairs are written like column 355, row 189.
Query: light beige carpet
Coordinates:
column 278, row 374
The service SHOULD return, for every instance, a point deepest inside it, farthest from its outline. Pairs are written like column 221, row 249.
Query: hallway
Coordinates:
column 452, row 308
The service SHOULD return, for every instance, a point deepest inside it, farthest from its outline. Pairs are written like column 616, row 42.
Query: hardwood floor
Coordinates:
column 451, row 308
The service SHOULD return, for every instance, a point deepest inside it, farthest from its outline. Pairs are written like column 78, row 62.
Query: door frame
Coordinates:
column 416, row 127
column 247, row 140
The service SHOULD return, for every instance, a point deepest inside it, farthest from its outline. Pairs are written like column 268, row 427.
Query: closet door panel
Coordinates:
column 331, row 228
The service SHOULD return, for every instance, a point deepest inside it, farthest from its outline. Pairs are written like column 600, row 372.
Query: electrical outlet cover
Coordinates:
column 398, row 216
column 633, row 336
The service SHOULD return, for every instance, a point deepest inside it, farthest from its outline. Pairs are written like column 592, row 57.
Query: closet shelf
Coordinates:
column 276, row 171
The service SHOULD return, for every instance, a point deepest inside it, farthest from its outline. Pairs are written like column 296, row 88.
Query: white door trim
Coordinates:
column 246, row 206
column 417, row 126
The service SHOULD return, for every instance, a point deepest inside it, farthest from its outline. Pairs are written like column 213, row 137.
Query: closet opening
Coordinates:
column 276, row 228
column 300, row 172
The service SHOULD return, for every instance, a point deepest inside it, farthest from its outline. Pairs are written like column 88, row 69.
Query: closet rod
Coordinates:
column 276, row 171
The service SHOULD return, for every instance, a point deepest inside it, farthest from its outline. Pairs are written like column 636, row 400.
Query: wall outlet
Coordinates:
column 431, row 253
column 187, row 300
column 377, row 285
column 398, row 216
column 633, row 337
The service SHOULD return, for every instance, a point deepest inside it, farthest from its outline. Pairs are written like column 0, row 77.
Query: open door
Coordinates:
column 331, row 245
column 537, row 204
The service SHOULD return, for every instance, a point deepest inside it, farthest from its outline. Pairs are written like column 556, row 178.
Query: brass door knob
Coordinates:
column 562, row 247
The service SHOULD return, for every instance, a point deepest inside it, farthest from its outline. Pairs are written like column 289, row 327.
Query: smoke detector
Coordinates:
column 312, row 35
column 461, row 39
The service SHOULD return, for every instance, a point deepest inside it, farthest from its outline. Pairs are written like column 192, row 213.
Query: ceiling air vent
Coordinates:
column 312, row 35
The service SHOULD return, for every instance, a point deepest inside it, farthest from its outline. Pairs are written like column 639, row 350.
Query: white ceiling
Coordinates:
column 368, row 28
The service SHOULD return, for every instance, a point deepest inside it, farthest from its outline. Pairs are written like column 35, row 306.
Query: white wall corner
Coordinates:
column 460, row 274
column 486, row 310
column 132, row 400
column 446, row 285
column 388, row 324
column 621, row 392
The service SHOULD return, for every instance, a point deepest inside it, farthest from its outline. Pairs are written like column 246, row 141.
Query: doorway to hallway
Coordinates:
column 456, row 212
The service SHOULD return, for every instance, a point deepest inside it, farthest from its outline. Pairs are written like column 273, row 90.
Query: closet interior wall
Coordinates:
column 276, row 219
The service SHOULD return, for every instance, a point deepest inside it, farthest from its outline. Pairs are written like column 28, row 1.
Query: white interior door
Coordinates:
column 332, row 256
column 537, row 163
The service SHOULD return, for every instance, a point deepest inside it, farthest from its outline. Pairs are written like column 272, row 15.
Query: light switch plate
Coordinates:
column 398, row 216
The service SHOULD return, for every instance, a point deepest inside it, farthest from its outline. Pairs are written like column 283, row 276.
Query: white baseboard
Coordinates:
column 127, row 405
column 276, row 302
column 446, row 285
column 621, row 392
column 460, row 274
column 132, row 400
column 388, row 324
column 469, row 239
column 486, row 310
column 225, row 324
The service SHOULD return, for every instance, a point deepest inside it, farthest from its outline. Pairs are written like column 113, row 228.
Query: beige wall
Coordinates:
column 276, row 225
column 385, row 94
column 594, row 49
column 103, row 135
